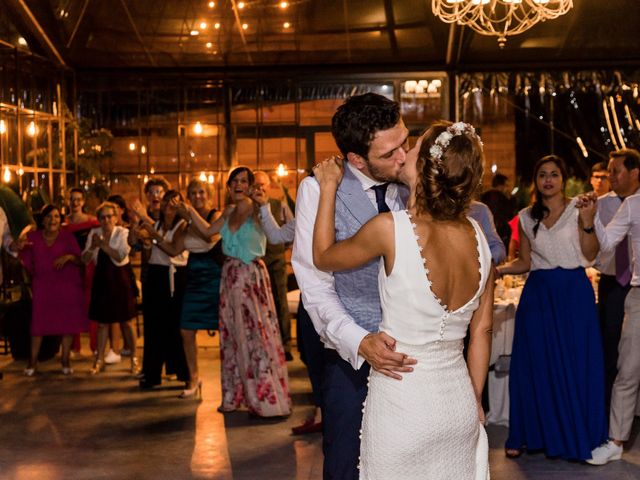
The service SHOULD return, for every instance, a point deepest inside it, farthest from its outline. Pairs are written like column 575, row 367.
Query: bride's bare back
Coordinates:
column 450, row 250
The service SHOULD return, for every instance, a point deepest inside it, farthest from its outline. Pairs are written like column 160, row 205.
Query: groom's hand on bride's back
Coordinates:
column 379, row 350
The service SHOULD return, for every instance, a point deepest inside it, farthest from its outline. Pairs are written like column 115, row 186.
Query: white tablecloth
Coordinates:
column 498, row 383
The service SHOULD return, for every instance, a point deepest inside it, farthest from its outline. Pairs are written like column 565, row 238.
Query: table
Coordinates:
column 504, row 312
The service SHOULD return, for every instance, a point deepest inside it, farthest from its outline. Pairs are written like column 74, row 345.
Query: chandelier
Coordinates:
column 499, row 18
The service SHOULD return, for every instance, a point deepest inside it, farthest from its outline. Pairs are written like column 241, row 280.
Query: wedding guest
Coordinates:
column 481, row 214
column 202, row 291
column 556, row 379
column 162, row 294
column 613, row 288
column 113, row 293
column 253, row 370
column 52, row 257
column 501, row 204
column 600, row 179
column 276, row 263
column 622, row 231
column 80, row 224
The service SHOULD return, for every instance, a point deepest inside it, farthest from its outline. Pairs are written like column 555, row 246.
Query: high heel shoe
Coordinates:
column 30, row 371
column 195, row 392
column 98, row 366
column 135, row 366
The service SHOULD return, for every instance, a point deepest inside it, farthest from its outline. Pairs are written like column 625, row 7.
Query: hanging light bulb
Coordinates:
column 152, row 170
column 282, row 171
column 6, row 175
column 210, row 178
column 197, row 128
column 3, row 127
column 132, row 146
column 202, row 177
column 31, row 129
column 20, row 171
column 145, row 179
column 143, row 149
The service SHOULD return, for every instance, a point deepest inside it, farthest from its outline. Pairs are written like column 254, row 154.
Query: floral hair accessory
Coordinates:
column 442, row 141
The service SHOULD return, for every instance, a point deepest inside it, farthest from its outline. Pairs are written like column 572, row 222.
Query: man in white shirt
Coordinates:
column 621, row 230
column 611, row 293
column 345, row 306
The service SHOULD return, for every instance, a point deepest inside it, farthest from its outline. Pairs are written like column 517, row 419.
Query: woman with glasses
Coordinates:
column 113, row 294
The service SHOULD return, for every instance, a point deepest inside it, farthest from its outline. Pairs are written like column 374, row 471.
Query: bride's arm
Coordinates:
column 481, row 330
column 368, row 243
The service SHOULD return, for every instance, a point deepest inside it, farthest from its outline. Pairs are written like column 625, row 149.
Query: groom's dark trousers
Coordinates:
column 343, row 393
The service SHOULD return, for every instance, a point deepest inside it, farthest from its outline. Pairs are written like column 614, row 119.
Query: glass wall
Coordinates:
column 34, row 119
column 184, row 128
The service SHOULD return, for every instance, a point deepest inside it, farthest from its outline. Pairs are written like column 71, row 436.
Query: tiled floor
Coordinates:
column 103, row 427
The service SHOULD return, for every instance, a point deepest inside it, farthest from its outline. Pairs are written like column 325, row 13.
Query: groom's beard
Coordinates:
column 380, row 176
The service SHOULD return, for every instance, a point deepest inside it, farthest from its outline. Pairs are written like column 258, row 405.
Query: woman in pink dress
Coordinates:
column 52, row 257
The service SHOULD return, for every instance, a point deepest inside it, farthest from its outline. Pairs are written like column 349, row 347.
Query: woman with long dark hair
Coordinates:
column 162, row 294
column 556, row 379
column 254, row 369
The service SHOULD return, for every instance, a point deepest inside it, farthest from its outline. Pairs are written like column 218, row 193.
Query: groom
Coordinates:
column 345, row 307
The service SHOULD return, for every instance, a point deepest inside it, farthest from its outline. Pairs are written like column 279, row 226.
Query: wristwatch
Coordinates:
column 587, row 229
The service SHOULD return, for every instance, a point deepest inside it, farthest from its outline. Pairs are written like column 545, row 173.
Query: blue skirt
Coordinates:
column 556, row 380
column 201, row 294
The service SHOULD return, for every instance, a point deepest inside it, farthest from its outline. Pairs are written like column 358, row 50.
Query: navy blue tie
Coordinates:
column 381, row 191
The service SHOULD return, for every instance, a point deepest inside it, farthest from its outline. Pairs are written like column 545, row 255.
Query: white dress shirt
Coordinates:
column 608, row 205
column 337, row 329
column 275, row 233
column 625, row 222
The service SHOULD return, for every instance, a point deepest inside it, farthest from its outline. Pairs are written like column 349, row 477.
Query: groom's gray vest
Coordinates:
column 358, row 288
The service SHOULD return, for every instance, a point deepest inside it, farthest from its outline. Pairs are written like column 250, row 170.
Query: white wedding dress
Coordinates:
column 425, row 426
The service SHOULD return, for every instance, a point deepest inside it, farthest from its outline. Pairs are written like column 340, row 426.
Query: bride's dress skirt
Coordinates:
column 426, row 425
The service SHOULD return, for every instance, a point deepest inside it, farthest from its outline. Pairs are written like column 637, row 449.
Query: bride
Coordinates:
column 435, row 280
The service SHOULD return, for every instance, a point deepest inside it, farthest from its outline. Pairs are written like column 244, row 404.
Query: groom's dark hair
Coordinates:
column 359, row 118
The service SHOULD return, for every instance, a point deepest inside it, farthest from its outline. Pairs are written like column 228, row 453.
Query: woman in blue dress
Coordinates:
column 556, row 382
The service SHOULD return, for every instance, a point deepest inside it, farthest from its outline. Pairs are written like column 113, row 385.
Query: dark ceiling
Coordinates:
column 323, row 34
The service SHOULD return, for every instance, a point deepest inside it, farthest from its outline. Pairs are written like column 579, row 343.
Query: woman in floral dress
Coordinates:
column 254, row 369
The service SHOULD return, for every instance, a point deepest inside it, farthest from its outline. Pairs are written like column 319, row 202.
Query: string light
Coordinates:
column 284, row 5
column 210, row 178
column 152, row 171
column 20, row 171
column 143, row 149
column 209, row 44
column 194, row 33
column 203, row 25
column 31, row 129
column 212, row 4
column 3, row 127
column 216, row 25
column 7, row 175
column 241, row 5
column 202, row 177
column 286, row 24
column 245, row 26
column 132, row 146
column 582, row 147
column 197, row 128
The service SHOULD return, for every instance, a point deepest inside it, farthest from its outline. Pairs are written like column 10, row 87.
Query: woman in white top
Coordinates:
column 113, row 293
column 427, row 423
column 556, row 378
column 162, row 294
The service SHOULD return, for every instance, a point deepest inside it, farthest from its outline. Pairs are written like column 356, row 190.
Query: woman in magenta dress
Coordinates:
column 52, row 257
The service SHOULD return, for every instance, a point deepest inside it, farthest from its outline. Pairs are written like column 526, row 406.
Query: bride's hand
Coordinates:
column 329, row 172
